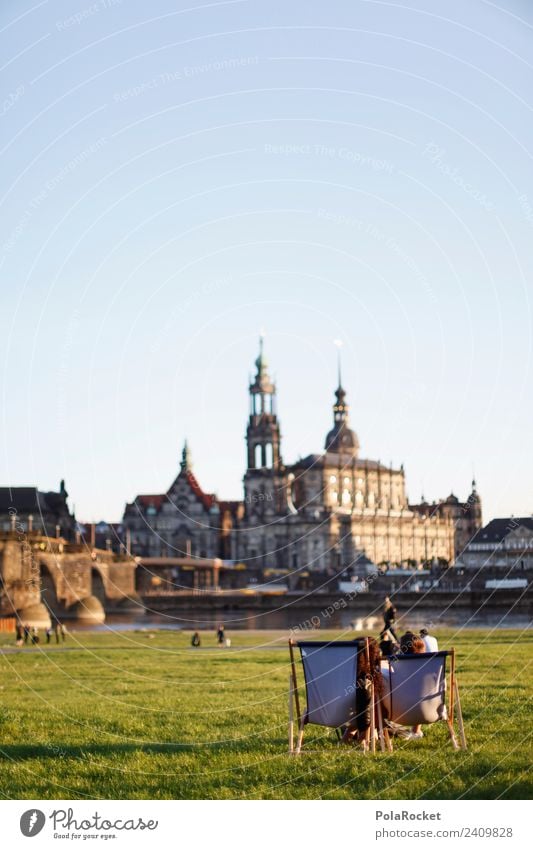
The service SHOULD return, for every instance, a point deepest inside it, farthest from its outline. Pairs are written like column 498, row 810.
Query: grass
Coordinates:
column 142, row 715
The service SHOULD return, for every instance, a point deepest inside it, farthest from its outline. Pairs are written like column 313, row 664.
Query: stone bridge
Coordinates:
column 43, row 578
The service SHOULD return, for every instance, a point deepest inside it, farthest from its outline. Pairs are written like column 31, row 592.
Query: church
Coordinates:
column 330, row 512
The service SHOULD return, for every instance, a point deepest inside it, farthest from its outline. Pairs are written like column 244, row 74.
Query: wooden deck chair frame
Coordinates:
column 297, row 722
column 454, row 699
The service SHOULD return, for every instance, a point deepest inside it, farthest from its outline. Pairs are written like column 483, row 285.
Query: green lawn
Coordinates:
column 138, row 715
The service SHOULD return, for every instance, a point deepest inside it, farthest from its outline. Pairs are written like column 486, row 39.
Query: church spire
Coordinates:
column 341, row 439
column 186, row 463
column 263, row 436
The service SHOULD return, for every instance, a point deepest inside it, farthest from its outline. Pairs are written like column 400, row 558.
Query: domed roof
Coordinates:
column 341, row 439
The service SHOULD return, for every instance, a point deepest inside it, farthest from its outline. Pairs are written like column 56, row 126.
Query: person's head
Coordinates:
column 411, row 644
column 365, row 664
column 386, row 647
column 423, row 632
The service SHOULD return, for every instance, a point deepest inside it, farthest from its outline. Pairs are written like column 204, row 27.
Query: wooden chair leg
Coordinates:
column 388, row 740
column 300, row 736
column 453, row 738
column 372, row 719
column 460, row 723
column 291, row 718
column 380, row 725
column 452, row 702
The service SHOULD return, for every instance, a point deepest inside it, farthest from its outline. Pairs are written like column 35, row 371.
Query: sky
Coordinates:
column 178, row 177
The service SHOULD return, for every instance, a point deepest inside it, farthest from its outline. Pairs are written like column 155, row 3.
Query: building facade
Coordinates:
column 185, row 521
column 504, row 546
column 28, row 509
column 326, row 513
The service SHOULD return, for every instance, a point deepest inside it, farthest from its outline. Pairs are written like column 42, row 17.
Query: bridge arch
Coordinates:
column 97, row 585
column 48, row 589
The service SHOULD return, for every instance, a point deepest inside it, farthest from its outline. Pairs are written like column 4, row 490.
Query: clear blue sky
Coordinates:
column 175, row 180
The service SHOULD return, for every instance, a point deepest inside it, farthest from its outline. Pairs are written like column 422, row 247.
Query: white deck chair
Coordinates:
column 330, row 672
column 415, row 691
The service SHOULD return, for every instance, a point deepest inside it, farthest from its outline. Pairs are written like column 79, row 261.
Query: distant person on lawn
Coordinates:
column 195, row 642
column 389, row 618
column 220, row 635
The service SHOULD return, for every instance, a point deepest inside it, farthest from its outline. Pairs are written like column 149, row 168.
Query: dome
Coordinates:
column 342, row 440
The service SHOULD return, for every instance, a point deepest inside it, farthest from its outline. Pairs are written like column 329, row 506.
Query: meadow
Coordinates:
column 143, row 715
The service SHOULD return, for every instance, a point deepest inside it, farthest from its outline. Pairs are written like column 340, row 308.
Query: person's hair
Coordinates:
column 423, row 632
column 411, row 644
column 371, row 666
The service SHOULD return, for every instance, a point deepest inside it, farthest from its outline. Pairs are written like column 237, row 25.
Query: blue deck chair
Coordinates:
column 415, row 693
column 330, row 672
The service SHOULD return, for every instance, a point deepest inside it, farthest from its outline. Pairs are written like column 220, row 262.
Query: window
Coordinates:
column 269, row 455
column 345, row 496
column 332, row 479
column 258, row 460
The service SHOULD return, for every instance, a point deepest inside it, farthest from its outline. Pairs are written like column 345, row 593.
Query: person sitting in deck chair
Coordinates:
column 368, row 671
column 410, row 643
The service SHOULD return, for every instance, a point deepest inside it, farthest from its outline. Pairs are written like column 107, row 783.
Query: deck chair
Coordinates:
column 330, row 672
column 416, row 694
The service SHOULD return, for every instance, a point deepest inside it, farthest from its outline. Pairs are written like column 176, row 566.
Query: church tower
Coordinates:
column 262, row 434
column 263, row 440
column 341, row 439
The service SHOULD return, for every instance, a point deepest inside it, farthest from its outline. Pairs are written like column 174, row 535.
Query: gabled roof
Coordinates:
column 498, row 529
column 207, row 498
column 157, row 500
column 151, row 501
